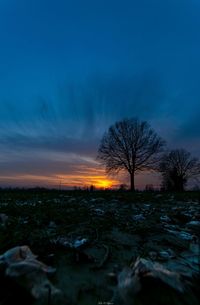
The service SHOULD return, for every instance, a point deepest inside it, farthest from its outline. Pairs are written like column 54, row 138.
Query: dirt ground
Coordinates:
column 89, row 237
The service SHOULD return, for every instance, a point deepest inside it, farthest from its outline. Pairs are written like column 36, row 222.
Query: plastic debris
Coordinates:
column 139, row 217
column 99, row 212
column 153, row 255
column 166, row 254
column 193, row 223
column 181, row 234
column 17, row 254
column 52, row 225
column 146, row 206
column 66, row 242
column 21, row 265
column 23, row 220
column 3, row 219
column 79, row 242
column 185, row 235
column 165, row 218
column 133, row 283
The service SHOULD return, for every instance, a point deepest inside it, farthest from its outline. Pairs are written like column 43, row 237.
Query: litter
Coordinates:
column 21, row 265
column 138, row 217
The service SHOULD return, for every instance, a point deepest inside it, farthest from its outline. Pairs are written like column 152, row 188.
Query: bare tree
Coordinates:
column 130, row 145
column 177, row 167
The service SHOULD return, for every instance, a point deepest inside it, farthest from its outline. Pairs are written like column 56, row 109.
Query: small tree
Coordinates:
column 177, row 167
column 130, row 145
column 92, row 187
column 149, row 188
column 123, row 187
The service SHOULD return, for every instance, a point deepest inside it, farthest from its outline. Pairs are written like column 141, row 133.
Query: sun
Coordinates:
column 103, row 183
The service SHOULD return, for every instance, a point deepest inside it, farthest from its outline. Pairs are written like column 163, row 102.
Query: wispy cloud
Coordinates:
column 63, row 83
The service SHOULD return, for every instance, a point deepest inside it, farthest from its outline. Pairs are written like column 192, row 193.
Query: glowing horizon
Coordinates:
column 93, row 176
column 67, row 181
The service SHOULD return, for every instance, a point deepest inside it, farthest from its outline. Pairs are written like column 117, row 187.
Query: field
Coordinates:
column 90, row 237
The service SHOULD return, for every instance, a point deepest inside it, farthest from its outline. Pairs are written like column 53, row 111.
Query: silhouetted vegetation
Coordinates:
column 177, row 167
column 130, row 145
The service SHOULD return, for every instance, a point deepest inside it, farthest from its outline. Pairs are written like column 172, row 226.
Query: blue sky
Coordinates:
column 69, row 69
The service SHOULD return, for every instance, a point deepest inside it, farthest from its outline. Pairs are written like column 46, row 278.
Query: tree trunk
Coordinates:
column 132, row 177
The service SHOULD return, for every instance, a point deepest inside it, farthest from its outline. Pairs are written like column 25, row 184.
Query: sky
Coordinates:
column 70, row 69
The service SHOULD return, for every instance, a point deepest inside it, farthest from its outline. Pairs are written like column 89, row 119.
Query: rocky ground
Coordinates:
column 104, row 247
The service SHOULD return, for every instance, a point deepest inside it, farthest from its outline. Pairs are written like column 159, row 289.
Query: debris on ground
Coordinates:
column 152, row 283
column 3, row 219
column 20, row 265
column 69, row 243
column 138, row 217
column 90, row 237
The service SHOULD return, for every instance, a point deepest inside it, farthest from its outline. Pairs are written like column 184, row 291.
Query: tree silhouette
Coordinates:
column 130, row 145
column 177, row 167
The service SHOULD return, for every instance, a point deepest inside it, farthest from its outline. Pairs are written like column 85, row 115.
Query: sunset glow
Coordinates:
column 99, row 181
column 82, row 177
column 104, row 183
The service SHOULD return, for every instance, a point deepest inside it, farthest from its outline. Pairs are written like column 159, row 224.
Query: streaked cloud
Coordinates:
column 65, row 76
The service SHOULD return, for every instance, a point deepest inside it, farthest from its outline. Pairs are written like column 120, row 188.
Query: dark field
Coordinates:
column 89, row 237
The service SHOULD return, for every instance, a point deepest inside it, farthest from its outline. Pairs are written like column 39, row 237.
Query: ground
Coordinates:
column 89, row 237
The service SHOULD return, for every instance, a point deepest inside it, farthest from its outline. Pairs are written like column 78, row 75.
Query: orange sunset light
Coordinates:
column 98, row 181
column 103, row 183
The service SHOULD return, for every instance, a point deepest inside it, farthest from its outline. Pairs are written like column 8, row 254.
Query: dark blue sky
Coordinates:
column 68, row 69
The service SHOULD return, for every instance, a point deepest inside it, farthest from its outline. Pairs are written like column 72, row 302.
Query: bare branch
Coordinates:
column 177, row 167
column 130, row 145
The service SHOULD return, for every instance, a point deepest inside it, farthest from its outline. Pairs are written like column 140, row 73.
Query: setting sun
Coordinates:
column 103, row 183
column 85, row 176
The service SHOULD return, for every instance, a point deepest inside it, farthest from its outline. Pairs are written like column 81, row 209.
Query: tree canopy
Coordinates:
column 130, row 145
column 177, row 167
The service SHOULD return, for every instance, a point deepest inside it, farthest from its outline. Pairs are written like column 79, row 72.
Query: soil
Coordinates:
column 89, row 237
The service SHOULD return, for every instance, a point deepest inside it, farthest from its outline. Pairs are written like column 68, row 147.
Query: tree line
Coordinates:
column 133, row 146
